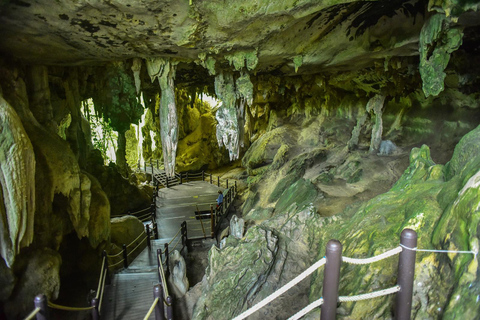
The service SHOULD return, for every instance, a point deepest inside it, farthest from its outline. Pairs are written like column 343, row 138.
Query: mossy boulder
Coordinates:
column 235, row 273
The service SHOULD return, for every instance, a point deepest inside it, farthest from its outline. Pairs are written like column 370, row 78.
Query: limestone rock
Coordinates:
column 178, row 278
column 122, row 195
column 99, row 210
column 262, row 151
column 235, row 273
column 387, row 148
column 17, row 184
column 40, row 275
column 237, row 226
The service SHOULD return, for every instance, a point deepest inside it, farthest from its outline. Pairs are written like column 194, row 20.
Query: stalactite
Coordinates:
column 164, row 70
column 136, row 68
column 17, row 184
column 376, row 104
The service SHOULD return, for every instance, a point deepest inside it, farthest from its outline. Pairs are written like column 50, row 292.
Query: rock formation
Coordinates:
column 307, row 93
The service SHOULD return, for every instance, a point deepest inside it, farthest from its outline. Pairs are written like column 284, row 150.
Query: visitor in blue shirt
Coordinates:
column 219, row 199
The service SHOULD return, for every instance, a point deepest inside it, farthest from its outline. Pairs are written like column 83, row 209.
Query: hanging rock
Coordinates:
column 164, row 70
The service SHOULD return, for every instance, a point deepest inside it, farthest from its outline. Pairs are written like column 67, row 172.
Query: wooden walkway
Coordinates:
column 130, row 294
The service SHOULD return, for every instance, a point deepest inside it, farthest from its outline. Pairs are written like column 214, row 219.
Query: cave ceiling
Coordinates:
column 321, row 35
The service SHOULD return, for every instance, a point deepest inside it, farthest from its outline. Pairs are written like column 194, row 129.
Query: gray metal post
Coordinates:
column 331, row 279
column 145, row 166
column 125, row 256
column 211, row 179
column 158, row 167
column 40, row 301
column 203, row 175
column 159, row 308
column 95, row 313
column 169, row 308
column 181, row 178
column 227, row 183
column 406, row 272
column 218, row 181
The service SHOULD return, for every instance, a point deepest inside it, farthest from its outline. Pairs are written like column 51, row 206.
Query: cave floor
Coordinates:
column 130, row 293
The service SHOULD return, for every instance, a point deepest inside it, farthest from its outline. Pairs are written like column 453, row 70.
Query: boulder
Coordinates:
column 125, row 230
column 178, row 278
column 40, row 274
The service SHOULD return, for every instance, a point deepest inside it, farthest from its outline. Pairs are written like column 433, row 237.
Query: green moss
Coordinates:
column 438, row 40
column 297, row 62
column 301, row 193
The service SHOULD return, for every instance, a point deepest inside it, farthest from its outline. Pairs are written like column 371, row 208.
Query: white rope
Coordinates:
column 307, row 309
column 373, row 259
column 282, row 290
column 370, row 295
column 365, row 296
column 440, row 251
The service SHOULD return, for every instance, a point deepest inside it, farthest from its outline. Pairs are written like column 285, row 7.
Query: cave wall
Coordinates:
column 48, row 191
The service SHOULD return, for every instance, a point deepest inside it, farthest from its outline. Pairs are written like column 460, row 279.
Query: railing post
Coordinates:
column 218, row 181
column 40, row 301
column 181, row 178
column 145, row 166
column 212, row 222
column 155, row 230
column 159, row 260
column 169, row 308
column 406, row 271
column 184, row 233
column 331, row 279
column 186, row 177
column 104, row 255
column 203, row 175
column 227, row 183
column 211, row 179
column 166, row 178
column 158, row 167
column 125, row 256
column 95, row 314
column 148, row 237
column 159, row 308
column 167, row 260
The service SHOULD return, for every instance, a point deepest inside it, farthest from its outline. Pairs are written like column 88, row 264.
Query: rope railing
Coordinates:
column 139, row 244
column 330, row 248
column 152, row 308
column 33, row 313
